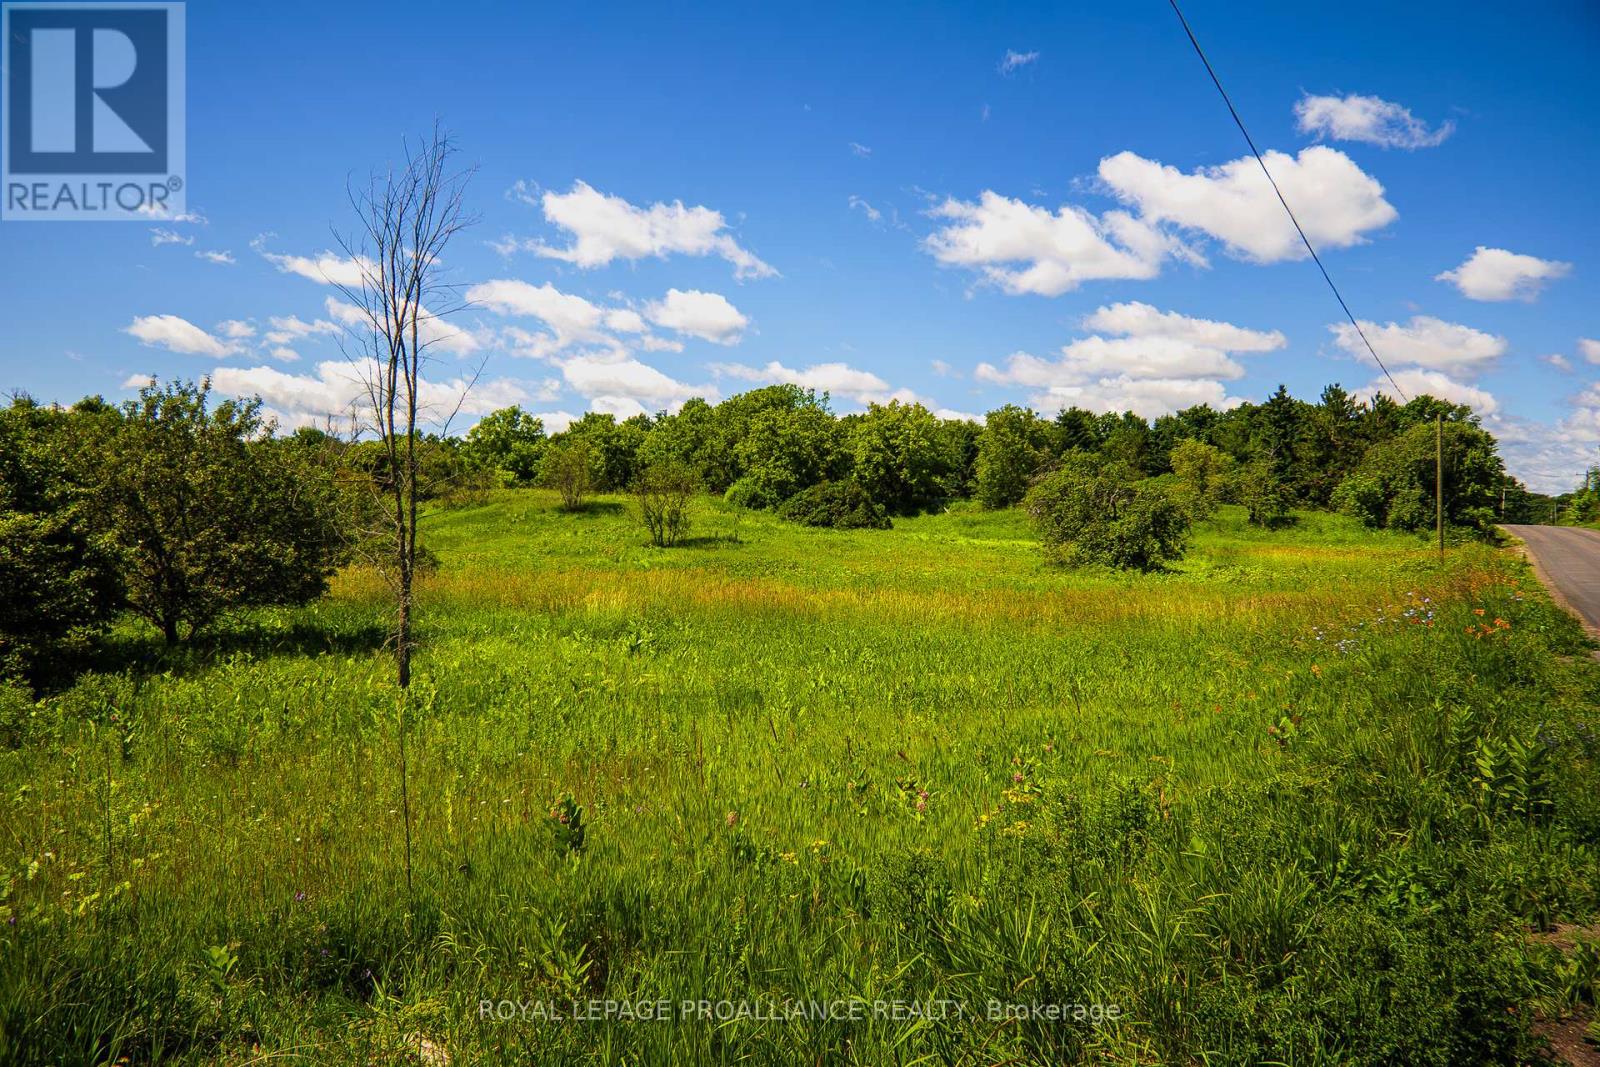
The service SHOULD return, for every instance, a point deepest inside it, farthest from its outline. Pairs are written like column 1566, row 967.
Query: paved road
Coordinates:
column 1569, row 559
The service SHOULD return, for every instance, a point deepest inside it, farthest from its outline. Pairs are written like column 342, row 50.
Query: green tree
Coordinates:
column 1265, row 498
column 1012, row 449
column 1393, row 487
column 1202, row 475
column 900, row 457
column 1093, row 511
column 206, row 515
column 58, row 574
column 786, row 449
column 569, row 467
column 510, row 442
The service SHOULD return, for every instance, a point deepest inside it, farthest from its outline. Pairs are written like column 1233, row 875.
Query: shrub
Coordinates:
column 841, row 505
column 1013, row 446
column 509, row 442
column 568, row 468
column 664, row 491
column 1093, row 512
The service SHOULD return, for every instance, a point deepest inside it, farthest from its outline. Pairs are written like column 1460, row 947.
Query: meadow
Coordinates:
column 1309, row 796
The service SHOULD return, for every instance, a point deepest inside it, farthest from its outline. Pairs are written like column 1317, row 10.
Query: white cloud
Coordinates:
column 1028, row 249
column 223, row 258
column 1165, row 361
column 159, row 237
column 1423, row 342
column 872, row 213
column 708, row 316
column 235, row 329
column 1135, row 319
column 177, row 335
column 858, row 149
column 1417, row 382
column 1334, row 199
column 1559, row 362
column 1014, row 61
column 436, row 333
column 572, row 319
column 619, row 381
column 1496, row 274
column 1366, row 118
column 606, row 227
column 335, row 387
column 138, row 381
column 286, row 328
column 1589, row 349
column 835, row 379
column 285, row 355
column 329, row 268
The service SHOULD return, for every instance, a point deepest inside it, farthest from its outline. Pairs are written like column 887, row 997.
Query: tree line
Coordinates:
column 177, row 509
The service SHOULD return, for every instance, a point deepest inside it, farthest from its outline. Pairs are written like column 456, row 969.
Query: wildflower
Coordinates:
column 301, row 895
column 1478, row 612
column 732, row 818
column 1017, row 777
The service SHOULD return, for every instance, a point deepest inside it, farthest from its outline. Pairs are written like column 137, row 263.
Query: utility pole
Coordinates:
column 1438, row 480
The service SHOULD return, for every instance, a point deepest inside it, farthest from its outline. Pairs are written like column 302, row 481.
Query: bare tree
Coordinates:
column 406, row 218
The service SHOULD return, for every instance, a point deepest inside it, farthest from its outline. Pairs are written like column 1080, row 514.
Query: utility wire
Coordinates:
column 1298, row 229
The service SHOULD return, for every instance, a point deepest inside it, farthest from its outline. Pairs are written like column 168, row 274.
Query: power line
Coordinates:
column 1297, row 227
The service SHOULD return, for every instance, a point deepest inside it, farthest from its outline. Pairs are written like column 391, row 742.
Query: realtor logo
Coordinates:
column 91, row 125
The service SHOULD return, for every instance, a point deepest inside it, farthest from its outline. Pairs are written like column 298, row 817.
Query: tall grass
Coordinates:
column 1295, row 801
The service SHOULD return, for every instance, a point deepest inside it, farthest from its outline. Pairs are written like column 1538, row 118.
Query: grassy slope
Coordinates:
column 1247, row 801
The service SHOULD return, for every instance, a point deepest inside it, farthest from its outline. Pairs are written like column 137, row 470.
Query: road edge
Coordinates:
column 1520, row 547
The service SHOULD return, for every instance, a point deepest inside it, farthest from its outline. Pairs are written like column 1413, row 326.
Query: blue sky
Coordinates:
column 876, row 200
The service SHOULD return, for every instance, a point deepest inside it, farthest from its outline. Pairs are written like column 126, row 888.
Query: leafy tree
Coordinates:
column 899, row 456
column 690, row 437
column 840, row 505
column 569, row 467
column 1393, row 488
column 664, row 491
column 614, row 447
column 510, row 442
column 206, row 515
column 1075, row 430
column 1093, row 511
column 59, row 577
column 1265, row 498
column 787, row 449
column 959, row 441
column 1012, row 449
column 1203, row 474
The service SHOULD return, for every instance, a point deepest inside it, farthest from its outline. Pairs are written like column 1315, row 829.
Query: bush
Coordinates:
column 1264, row 497
column 1013, row 446
column 1202, row 473
column 840, row 505
column 1093, row 512
column 664, row 491
column 568, row 468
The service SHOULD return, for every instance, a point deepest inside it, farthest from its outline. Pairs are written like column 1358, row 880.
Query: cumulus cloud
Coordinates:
column 159, row 237
column 328, row 268
column 606, row 227
column 1336, row 202
column 1014, row 61
column 1559, row 362
column 436, row 333
column 1366, row 118
column 177, row 335
column 1418, row 382
column 236, row 329
column 1496, row 274
column 627, row 382
column 836, row 379
column 286, row 328
column 1027, row 249
column 1589, row 349
column 336, row 388
column 708, row 316
column 223, row 258
column 1163, row 361
column 1424, row 342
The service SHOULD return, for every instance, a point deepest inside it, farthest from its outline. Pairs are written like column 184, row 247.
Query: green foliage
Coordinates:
column 510, row 442
column 1013, row 449
column 1265, row 498
column 1203, row 474
column 613, row 447
column 205, row 515
column 840, row 505
column 57, row 572
column 1094, row 512
column 1393, row 487
column 570, row 467
column 663, row 491
column 899, row 456
column 787, row 448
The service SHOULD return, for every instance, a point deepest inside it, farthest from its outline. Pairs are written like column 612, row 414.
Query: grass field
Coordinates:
column 1299, row 800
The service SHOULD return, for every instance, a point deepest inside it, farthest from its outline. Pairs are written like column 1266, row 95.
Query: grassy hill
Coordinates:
column 1298, row 799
